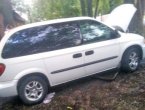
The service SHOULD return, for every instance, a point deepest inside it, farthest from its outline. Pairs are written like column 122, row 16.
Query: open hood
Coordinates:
column 121, row 16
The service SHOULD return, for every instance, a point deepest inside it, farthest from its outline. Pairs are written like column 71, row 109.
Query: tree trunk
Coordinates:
column 136, row 25
column 83, row 7
column 90, row 8
column 7, row 11
column 1, row 26
column 96, row 8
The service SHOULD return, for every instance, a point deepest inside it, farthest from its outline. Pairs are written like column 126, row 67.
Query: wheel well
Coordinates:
column 134, row 46
column 33, row 74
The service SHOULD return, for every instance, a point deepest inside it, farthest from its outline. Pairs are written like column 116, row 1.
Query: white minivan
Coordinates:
column 37, row 56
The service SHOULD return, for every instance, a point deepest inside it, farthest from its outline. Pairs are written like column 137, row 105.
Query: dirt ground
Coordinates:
column 126, row 92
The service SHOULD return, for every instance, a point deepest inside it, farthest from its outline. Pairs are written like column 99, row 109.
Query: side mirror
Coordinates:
column 118, row 28
column 116, row 33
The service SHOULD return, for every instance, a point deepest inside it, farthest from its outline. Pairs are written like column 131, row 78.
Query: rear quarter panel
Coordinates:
column 17, row 69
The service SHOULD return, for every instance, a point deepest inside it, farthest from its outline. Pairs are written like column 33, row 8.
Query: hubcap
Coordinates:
column 133, row 60
column 33, row 90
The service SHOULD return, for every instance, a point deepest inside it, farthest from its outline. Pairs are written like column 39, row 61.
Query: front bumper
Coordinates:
column 8, row 89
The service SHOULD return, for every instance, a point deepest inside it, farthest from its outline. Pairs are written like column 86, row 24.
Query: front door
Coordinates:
column 101, row 46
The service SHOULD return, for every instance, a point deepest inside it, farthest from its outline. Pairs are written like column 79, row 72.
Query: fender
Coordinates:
column 31, row 71
column 129, row 39
column 128, row 45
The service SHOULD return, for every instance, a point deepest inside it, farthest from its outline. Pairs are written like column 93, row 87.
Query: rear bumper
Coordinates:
column 8, row 89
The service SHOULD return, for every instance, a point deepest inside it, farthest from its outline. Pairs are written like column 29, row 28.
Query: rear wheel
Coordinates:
column 32, row 90
column 131, row 60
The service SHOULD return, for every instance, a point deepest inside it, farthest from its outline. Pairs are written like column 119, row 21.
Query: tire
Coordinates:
column 131, row 60
column 32, row 90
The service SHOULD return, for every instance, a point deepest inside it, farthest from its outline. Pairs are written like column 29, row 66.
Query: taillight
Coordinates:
column 2, row 69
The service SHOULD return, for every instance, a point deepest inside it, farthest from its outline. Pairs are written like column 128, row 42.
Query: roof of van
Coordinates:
column 50, row 22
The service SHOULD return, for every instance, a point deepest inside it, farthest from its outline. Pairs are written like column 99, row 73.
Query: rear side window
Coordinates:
column 42, row 39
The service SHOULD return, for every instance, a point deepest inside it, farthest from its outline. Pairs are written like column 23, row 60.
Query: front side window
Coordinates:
column 93, row 31
column 42, row 39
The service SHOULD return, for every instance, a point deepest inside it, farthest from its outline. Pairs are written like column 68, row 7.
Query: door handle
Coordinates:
column 77, row 55
column 89, row 52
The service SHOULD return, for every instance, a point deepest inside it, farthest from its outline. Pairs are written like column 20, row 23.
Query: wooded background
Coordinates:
column 40, row 10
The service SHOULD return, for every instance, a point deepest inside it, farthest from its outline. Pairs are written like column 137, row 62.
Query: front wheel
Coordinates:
column 131, row 60
column 32, row 90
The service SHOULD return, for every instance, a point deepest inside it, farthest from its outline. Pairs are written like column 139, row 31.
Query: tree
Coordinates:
column 83, row 7
column 104, row 7
column 1, row 26
column 90, row 8
column 51, row 9
column 115, row 3
column 7, row 11
column 8, row 17
column 136, row 25
column 94, row 7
